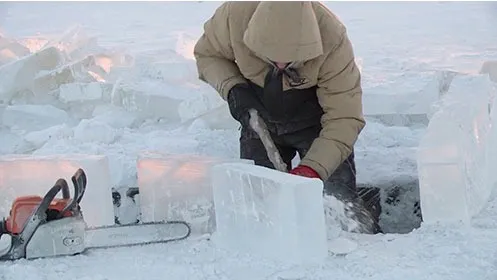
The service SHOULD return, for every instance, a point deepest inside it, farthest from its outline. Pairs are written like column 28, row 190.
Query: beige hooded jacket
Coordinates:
column 241, row 38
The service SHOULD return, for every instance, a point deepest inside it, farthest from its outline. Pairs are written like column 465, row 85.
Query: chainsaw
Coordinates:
column 41, row 227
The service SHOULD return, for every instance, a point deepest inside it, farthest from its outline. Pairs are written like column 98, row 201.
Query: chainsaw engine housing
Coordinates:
column 62, row 237
column 47, row 226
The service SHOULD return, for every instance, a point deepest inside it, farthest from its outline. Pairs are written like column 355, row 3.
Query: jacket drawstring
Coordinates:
column 291, row 73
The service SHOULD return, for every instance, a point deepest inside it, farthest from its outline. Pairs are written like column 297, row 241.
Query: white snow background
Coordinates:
column 400, row 47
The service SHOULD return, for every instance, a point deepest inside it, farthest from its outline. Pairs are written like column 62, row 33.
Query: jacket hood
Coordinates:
column 284, row 31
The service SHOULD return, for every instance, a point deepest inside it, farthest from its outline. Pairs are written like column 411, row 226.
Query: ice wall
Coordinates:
column 457, row 153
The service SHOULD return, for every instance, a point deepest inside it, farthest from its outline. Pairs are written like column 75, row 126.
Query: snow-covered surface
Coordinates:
column 148, row 49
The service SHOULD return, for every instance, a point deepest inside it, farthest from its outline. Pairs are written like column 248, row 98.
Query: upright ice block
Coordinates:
column 452, row 158
column 178, row 187
column 269, row 213
column 35, row 175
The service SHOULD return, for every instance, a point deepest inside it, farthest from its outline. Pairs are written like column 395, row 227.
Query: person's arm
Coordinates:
column 340, row 94
column 214, row 55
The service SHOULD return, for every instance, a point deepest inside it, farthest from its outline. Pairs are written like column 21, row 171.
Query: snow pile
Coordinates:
column 456, row 155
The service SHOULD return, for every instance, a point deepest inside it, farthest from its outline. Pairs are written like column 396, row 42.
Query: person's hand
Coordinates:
column 304, row 171
column 241, row 99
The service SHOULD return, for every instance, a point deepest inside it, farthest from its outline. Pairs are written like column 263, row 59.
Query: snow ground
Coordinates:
column 399, row 46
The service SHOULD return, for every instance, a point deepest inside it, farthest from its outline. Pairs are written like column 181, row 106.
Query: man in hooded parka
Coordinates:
column 294, row 63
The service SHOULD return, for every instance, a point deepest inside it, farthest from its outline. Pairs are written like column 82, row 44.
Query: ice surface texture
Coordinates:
column 269, row 213
column 33, row 117
column 456, row 154
column 490, row 67
column 35, row 175
column 178, row 187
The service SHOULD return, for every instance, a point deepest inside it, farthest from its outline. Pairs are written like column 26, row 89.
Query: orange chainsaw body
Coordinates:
column 24, row 206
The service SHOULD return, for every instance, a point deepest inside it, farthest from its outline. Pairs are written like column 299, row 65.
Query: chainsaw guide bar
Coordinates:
column 41, row 227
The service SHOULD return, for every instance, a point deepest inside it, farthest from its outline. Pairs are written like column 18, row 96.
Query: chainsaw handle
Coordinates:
column 79, row 183
column 65, row 188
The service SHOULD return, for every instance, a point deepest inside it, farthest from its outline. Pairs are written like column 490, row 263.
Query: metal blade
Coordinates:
column 136, row 234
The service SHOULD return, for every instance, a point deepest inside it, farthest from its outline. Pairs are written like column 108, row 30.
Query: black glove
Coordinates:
column 241, row 98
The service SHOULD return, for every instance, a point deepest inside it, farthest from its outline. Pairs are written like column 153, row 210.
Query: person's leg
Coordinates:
column 252, row 148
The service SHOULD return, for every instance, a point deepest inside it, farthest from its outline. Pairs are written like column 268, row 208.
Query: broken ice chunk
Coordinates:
column 173, row 72
column 199, row 103
column 114, row 116
column 16, row 75
column 11, row 50
column 11, row 143
column 78, row 71
column 178, row 187
column 107, row 61
column 490, row 68
column 95, row 131
column 151, row 102
column 35, row 175
column 39, row 138
column 76, row 43
column 33, row 117
column 269, row 213
column 80, row 92
column 33, row 43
